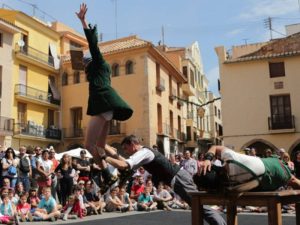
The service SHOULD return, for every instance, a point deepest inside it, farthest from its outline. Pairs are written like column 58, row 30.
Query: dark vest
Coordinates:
column 161, row 168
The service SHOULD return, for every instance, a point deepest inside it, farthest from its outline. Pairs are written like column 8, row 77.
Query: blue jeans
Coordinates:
column 26, row 182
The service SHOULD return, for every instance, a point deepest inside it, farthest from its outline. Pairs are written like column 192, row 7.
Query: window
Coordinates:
column 22, row 109
column 192, row 78
column 188, row 133
column 277, row 69
column 184, row 71
column 64, row 79
column 76, row 77
column 1, row 40
column 216, row 111
column 50, row 118
column 115, row 70
column 157, row 74
column 171, row 123
column 219, row 113
column 129, row 67
column 76, row 114
column 281, row 113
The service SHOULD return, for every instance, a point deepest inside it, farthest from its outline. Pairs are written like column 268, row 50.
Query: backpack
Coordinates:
column 24, row 164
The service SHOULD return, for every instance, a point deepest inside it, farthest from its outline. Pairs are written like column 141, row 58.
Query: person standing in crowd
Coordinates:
column 104, row 104
column 162, row 170
column 84, row 167
column 34, row 158
column 65, row 174
column 10, row 163
column 287, row 160
column 189, row 164
column 297, row 164
column 252, row 152
column 55, row 162
column 44, row 167
column 25, row 171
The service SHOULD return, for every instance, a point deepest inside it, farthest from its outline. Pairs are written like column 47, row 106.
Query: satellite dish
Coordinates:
column 21, row 43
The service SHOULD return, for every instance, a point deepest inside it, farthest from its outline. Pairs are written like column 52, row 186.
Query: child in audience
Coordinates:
column 7, row 211
column 113, row 203
column 33, row 199
column 80, row 207
column 23, row 209
column 72, row 209
column 145, row 201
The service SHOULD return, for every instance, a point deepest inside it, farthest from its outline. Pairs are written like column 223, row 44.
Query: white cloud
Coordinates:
column 266, row 8
column 235, row 32
column 213, row 76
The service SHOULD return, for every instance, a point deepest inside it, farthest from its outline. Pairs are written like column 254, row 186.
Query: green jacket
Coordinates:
column 102, row 97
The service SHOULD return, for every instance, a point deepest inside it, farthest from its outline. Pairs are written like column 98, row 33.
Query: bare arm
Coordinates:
column 81, row 15
column 111, row 151
column 118, row 163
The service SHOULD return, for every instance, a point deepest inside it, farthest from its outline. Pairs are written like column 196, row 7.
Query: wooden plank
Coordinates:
column 197, row 212
column 298, row 213
column 231, row 214
column 274, row 213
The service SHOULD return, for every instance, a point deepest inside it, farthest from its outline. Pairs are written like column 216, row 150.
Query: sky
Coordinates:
column 209, row 22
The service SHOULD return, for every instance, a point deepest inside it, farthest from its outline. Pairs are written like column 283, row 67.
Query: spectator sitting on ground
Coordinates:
column 23, row 209
column 47, row 208
column 152, row 188
column 33, row 199
column 113, row 203
column 14, row 199
column 137, row 188
column 145, row 201
column 125, row 199
column 142, row 172
column 72, row 209
column 178, row 203
column 162, row 197
column 6, row 183
column 7, row 211
column 92, row 198
column 78, row 197
column 90, row 207
column 20, row 189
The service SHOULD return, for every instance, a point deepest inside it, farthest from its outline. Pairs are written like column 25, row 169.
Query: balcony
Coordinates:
column 6, row 126
column 74, row 132
column 37, row 96
column 36, row 57
column 30, row 129
column 164, row 129
column 281, row 123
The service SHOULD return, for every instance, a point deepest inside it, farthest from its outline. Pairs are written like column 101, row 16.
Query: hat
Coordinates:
column 81, row 182
column 282, row 150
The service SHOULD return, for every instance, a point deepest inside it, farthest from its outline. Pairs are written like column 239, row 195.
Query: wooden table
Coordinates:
column 272, row 200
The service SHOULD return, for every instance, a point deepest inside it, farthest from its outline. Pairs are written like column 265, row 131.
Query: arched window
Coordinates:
column 129, row 67
column 115, row 70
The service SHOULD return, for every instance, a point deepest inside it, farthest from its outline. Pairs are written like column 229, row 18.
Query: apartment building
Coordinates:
column 145, row 78
column 215, row 117
column 259, row 88
column 7, row 32
column 35, row 98
column 195, row 95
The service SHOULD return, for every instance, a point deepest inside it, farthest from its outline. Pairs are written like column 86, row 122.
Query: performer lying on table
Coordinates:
column 244, row 173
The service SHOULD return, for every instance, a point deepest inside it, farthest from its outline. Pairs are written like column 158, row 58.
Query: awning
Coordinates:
column 54, row 90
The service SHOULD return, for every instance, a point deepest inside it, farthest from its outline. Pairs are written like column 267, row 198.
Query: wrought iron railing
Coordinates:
column 74, row 132
column 33, row 93
column 6, row 124
column 279, row 121
column 35, row 54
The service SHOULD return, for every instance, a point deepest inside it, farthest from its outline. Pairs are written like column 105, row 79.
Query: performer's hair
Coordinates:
column 130, row 139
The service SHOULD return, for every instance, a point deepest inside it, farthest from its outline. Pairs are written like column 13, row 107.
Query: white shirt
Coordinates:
column 141, row 157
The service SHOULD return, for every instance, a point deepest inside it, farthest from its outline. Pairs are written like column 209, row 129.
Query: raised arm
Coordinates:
column 91, row 35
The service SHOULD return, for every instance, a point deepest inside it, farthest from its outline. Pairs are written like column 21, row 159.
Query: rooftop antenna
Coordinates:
column 245, row 40
column 268, row 25
column 163, row 35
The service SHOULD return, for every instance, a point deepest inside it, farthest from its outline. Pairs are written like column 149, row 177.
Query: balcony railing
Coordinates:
column 278, row 121
column 33, row 93
column 6, row 124
column 161, row 85
column 35, row 54
column 32, row 129
column 74, row 132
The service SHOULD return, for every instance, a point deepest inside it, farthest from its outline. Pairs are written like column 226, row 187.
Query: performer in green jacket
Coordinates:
column 244, row 172
column 104, row 103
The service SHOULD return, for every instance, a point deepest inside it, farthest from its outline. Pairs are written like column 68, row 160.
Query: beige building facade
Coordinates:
column 259, row 89
column 7, row 31
column 144, row 77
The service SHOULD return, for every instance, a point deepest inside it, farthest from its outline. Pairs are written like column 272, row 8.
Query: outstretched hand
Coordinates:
column 206, row 166
column 82, row 11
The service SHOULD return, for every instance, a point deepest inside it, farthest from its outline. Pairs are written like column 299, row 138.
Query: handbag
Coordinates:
column 12, row 170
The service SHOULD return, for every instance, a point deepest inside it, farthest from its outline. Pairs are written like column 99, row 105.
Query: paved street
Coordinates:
column 162, row 218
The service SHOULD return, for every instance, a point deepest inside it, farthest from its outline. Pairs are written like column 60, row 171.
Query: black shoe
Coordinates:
column 125, row 175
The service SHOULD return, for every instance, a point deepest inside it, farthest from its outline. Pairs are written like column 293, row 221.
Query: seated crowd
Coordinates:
column 35, row 186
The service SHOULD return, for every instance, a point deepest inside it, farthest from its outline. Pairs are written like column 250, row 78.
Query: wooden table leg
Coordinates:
column 197, row 211
column 274, row 213
column 298, row 213
column 231, row 215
